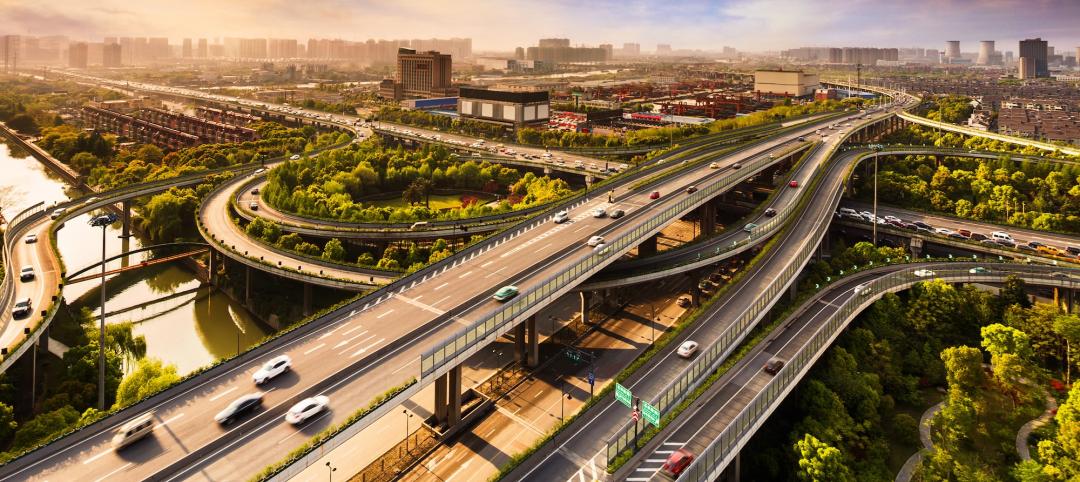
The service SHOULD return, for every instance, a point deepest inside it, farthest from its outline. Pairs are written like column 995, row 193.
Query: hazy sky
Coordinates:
column 504, row 24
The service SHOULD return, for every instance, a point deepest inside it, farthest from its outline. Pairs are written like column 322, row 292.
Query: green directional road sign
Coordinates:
column 623, row 395
column 651, row 413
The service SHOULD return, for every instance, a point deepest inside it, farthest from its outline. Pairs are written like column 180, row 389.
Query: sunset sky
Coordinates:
column 504, row 24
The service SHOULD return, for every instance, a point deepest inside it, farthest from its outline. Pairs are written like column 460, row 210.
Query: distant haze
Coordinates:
column 505, row 24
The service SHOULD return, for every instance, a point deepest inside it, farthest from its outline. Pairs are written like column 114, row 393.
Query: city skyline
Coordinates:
column 747, row 25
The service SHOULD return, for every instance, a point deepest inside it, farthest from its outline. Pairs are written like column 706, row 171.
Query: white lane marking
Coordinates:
column 437, row 288
column 675, row 443
column 346, row 341
column 493, row 273
column 110, row 474
column 331, row 332
column 485, row 265
column 315, row 348
column 366, row 348
column 168, row 420
column 402, row 367
column 458, row 471
column 665, row 452
column 418, row 297
column 653, row 461
column 444, row 298
column 412, row 301
column 546, row 246
column 467, row 273
column 637, row 479
column 98, row 456
column 346, row 332
column 653, row 469
column 391, row 310
column 223, row 393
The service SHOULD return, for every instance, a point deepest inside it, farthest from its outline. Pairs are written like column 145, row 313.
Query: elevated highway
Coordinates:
column 358, row 351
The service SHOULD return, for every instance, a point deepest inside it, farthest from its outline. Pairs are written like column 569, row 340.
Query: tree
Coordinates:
column 7, row 421
column 1068, row 328
column 149, row 377
column 820, row 462
column 963, row 368
column 24, row 124
column 1008, row 371
column 999, row 339
column 333, row 250
column 44, row 427
column 84, row 162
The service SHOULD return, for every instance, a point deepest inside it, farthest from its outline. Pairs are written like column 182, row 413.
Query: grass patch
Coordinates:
column 438, row 201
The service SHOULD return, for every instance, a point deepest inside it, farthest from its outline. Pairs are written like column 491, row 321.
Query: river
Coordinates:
column 190, row 329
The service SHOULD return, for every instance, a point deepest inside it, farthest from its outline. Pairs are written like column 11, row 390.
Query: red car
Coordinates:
column 793, row 184
column 654, row 195
column 677, row 462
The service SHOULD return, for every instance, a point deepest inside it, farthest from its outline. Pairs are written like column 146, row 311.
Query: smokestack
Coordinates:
column 986, row 52
column 952, row 50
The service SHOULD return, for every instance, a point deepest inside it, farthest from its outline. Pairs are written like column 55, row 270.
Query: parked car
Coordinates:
column 595, row 240
column 654, row 195
column 505, row 293
column 773, row 366
column 677, row 462
column 272, row 368
column 618, row 213
column 687, row 349
column 306, row 408
column 262, row 170
column 238, row 407
column 561, row 217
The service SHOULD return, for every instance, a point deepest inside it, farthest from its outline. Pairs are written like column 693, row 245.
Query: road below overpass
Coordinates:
column 354, row 355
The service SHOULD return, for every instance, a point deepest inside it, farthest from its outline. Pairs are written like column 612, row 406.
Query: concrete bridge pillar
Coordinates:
column 519, row 343
column 585, row 295
column 648, row 247
column 915, row 246
column 247, row 286
column 307, row 299
column 533, row 348
column 448, row 397
column 126, row 217
column 708, row 219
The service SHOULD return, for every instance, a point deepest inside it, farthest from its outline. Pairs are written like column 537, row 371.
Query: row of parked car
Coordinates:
column 997, row 238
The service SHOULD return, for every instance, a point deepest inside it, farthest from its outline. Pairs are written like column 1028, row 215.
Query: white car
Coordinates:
column 601, row 248
column 561, row 217
column 923, row 273
column 31, row 238
column 892, row 219
column 276, row 366
column 943, row 231
column 863, row 289
column 306, row 408
column 687, row 349
column 294, row 157
column 595, row 240
column 599, row 213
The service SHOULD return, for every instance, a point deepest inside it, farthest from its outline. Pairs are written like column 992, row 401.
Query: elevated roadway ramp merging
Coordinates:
column 724, row 419
column 359, row 351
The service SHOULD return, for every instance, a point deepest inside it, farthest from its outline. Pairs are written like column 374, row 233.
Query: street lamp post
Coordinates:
column 103, row 221
column 407, row 433
column 332, row 470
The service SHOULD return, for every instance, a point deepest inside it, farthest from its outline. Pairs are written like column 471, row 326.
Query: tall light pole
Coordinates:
column 876, row 148
column 407, row 433
column 332, row 470
column 103, row 221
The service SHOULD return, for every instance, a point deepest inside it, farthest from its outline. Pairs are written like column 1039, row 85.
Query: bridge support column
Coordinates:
column 307, row 299
column 533, row 348
column 793, row 291
column 448, row 397
column 519, row 343
column 708, row 219
column 126, row 217
column 440, row 399
column 915, row 246
column 247, row 285
column 585, row 295
column 648, row 247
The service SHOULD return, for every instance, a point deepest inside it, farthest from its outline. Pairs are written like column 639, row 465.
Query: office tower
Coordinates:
column 185, row 49
column 202, row 52
column 77, row 55
column 423, row 74
column 519, row 53
column 631, row 49
column 663, row 49
column 1035, row 50
column 553, row 42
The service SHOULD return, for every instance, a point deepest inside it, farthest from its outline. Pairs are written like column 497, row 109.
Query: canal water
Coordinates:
column 184, row 323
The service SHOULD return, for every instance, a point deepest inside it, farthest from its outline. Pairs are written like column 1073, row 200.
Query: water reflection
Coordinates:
column 183, row 322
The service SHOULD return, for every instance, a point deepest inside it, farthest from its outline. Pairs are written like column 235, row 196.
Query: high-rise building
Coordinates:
column 553, row 42
column 185, row 49
column 423, row 74
column 111, row 55
column 609, row 51
column 77, row 55
column 952, row 51
column 1026, row 68
column 663, row 49
column 631, row 49
column 519, row 53
column 158, row 48
column 1035, row 49
column 282, row 48
column 202, row 51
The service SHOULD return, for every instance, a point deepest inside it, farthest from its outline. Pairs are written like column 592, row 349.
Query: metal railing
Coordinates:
column 499, row 319
column 709, row 463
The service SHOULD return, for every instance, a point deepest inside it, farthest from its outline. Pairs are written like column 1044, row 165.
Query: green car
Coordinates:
column 979, row 270
column 505, row 293
column 749, row 227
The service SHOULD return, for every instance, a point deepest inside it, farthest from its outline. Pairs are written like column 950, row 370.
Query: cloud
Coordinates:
column 504, row 24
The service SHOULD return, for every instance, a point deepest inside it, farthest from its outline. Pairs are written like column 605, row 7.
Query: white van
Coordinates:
column 134, row 430
column 418, row 226
column 1000, row 235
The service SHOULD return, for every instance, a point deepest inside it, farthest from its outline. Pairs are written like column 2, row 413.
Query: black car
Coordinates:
column 770, row 212
column 238, row 407
column 1006, row 243
column 616, row 214
column 683, row 302
column 978, row 237
column 957, row 236
column 1024, row 247
column 921, row 225
column 736, row 166
column 1035, row 244
column 22, row 308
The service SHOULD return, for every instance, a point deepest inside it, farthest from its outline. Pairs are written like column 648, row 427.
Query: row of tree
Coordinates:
column 1040, row 195
column 420, row 118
